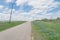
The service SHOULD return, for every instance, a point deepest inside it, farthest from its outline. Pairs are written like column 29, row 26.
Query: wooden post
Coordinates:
column 11, row 12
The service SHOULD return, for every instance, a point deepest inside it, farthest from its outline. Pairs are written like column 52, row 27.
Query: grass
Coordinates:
column 6, row 25
column 45, row 30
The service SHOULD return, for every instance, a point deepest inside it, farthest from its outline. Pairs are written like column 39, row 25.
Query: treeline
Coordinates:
column 51, row 20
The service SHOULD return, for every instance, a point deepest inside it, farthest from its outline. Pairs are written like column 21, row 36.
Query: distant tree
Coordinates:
column 45, row 19
column 58, row 18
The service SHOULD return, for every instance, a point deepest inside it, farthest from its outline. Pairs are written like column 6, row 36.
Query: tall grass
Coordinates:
column 6, row 25
column 46, row 30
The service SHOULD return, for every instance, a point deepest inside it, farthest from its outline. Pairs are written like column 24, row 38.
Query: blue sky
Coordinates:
column 57, row 0
column 24, row 7
column 30, row 9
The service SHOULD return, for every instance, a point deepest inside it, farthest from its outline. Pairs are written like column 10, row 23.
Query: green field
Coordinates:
column 45, row 30
column 6, row 25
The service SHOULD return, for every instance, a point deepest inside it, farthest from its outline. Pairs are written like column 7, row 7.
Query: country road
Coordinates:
column 20, row 32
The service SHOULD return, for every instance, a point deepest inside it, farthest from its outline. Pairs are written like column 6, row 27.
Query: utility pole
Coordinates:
column 11, row 12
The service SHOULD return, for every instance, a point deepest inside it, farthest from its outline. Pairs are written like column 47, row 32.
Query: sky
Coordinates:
column 29, row 10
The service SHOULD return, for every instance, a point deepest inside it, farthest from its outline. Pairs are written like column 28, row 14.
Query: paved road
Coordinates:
column 20, row 32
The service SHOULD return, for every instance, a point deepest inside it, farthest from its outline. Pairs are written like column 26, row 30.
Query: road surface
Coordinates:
column 20, row 32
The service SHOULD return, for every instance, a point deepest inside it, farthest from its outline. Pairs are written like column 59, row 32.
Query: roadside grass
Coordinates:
column 45, row 30
column 7, row 25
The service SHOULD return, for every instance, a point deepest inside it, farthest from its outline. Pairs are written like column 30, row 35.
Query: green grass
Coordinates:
column 6, row 25
column 45, row 30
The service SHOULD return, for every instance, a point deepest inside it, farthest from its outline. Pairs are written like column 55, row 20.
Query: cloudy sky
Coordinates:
column 29, row 9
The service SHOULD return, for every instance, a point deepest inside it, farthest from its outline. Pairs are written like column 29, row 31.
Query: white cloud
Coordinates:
column 4, row 17
column 19, row 2
column 58, row 14
column 1, row 7
column 40, row 8
column 42, row 5
column 9, row 1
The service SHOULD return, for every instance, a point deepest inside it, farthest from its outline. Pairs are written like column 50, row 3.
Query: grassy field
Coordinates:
column 45, row 30
column 6, row 25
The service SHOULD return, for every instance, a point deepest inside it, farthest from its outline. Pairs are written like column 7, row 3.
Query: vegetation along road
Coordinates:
column 45, row 30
